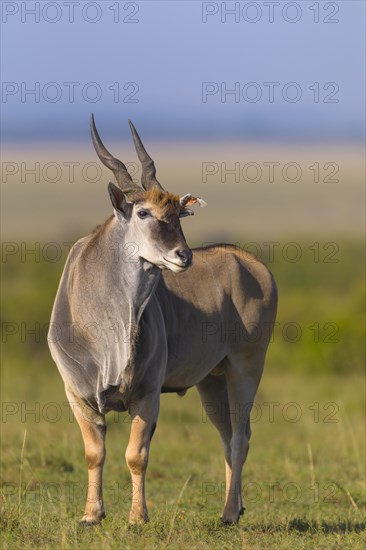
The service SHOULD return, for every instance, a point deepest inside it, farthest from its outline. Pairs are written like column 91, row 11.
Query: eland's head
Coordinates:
column 152, row 214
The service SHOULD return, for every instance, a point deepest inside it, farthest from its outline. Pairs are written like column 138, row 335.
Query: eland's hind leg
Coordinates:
column 243, row 375
column 93, row 430
column 214, row 397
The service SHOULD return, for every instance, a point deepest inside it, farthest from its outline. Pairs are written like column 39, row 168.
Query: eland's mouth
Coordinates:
column 177, row 268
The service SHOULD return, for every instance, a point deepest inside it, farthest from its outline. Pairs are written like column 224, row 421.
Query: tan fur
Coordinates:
column 161, row 203
column 92, row 426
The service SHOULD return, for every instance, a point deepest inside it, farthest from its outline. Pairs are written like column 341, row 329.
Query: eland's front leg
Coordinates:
column 93, row 430
column 144, row 416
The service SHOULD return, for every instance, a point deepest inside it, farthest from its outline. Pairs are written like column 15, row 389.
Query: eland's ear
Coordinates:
column 190, row 200
column 118, row 200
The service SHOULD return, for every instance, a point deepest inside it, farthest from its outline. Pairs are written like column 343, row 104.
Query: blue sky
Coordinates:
column 162, row 54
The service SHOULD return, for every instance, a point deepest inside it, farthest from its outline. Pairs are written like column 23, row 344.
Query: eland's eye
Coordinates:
column 143, row 214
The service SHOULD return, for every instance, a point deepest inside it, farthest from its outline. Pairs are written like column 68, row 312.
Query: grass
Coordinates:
column 304, row 480
column 294, row 499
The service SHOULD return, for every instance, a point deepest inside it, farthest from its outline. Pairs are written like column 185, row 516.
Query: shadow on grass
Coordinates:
column 305, row 526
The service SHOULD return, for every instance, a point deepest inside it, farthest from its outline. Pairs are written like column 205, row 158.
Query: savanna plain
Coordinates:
column 304, row 479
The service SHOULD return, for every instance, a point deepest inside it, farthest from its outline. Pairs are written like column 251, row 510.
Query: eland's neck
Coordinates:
column 129, row 278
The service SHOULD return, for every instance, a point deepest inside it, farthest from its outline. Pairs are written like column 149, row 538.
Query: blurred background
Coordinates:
column 258, row 107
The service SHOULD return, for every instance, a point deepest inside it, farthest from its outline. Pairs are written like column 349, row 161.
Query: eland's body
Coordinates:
column 133, row 318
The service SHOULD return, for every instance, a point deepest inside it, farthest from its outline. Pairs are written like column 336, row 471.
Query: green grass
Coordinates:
column 304, row 481
column 292, row 500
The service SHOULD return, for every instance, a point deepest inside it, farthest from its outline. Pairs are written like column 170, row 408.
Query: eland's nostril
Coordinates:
column 185, row 256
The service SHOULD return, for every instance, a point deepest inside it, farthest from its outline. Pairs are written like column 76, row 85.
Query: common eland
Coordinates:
column 138, row 313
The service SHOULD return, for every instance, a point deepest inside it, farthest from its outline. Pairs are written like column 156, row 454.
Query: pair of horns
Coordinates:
column 123, row 178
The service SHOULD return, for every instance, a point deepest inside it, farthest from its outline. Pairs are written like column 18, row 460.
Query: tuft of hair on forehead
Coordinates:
column 163, row 200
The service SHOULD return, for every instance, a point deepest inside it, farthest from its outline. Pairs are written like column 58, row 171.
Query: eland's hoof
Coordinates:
column 85, row 523
column 225, row 520
column 232, row 517
column 138, row 518
column 91, row 521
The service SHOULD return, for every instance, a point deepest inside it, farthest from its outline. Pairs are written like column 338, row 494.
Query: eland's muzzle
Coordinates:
column 184, row 256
